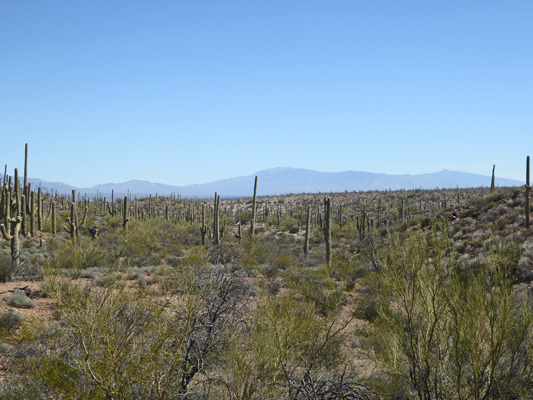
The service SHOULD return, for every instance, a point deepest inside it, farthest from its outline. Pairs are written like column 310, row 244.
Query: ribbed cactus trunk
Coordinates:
column 32, row 213
column 307, row 229
column 17, row 194
column 26, row 170
column 7, row 209
column 39, row 209
column 203, row 227
column 327, row 229
column 125, row 218
column 24, row 216
column 73, row 220
column 72, row 223
column 252, row 224
column 15, row 246
column 216, row 222
column 492, row 180
column 54, row 223
column 527, row 192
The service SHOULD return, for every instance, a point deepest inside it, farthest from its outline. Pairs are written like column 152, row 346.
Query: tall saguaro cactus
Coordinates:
column 14, row 238
column 527, row 192
column 39, row 209
column 32, row 213
column 72, row 228
column 203, row 227
column 26, row 191
column 125, row 214
column 252, row 223
column 218, row 233
column 492, row 180
column 54, row 224
column 327, row 229
column 307, row 228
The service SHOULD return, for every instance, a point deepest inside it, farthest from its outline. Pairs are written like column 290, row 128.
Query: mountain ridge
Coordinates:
column 284, row 180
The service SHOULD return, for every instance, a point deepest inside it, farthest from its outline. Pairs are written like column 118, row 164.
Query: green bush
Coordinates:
column 10, row 321
column 20, row 300
column 6, row 268
column 448, row 324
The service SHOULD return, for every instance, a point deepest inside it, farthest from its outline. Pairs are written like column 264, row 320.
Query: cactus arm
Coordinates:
column 222, row 230
column 6, row 235
column 84, row 216
column 69, row 222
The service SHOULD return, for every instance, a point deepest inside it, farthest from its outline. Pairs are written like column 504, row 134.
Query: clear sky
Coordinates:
column 183, row 92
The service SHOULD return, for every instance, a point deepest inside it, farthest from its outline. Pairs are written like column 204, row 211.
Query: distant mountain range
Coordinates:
column 289, row 180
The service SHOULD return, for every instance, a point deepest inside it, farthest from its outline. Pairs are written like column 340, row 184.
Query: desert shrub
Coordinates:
column 196, row 258
column 245, row 217
column 107, row 279
column 74, row 257
column 350, row 285
column 173, row 260
column 108, row 334
column 19, row 299
column 284, row 337
column 369, row 304
column 288, row 223
column 425, row 222
column 324, row 295
column 476, row 325
column 10, row 321
column 223, row 254
column 22, row 389
column 6, row 268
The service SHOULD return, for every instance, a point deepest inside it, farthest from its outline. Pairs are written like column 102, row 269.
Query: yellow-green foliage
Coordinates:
column 452, row 330
column 285, row 336
column 123, row 344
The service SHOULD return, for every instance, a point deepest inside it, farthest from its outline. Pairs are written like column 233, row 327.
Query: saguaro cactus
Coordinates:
column 362, row 222
column 203, row 227
column 39, row 209
column 327, row 229
column 218, row 233
column 72, row 222
column 23, row 215
column 54, row 224
column 252, row 223
column 401, row 211
column 74, row 226
column 492, row 180
column 32, row 213
column 15, row 246
column 26, row 191
column 125, row 214
column 307, row 228
column 527, row 192
column 111, row 207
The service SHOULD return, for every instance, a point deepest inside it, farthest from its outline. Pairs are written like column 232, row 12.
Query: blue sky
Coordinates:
column 183, row 92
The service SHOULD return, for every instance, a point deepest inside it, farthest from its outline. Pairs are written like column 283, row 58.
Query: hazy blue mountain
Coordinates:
column 47, row 187
column 470, row 180
column 291, row 180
